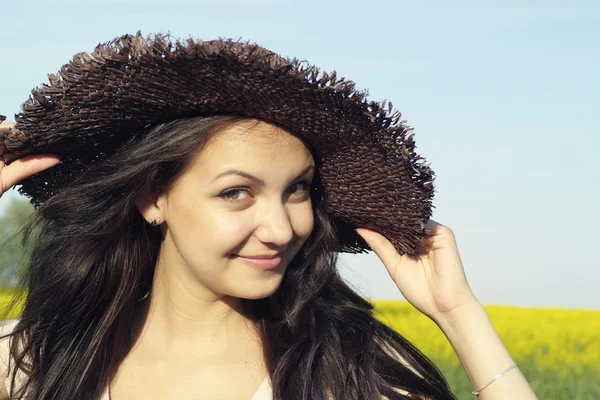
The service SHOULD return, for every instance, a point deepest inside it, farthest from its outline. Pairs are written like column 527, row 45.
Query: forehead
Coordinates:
column 252, row 141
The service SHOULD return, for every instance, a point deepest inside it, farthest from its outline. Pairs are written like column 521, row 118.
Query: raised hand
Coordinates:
column 23, row 167
column 433, row 282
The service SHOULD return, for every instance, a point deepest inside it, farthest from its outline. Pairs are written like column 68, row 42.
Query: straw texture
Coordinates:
column 372, row 176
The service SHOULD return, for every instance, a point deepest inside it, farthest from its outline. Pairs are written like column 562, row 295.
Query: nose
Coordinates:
column 274, row 225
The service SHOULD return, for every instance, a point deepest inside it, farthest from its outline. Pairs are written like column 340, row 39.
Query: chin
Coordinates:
column 260, row 291
column 260, row 294
column 257, row 296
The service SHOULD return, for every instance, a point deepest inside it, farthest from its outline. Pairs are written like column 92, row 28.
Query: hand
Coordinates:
column 23, row 167
column 433, row 282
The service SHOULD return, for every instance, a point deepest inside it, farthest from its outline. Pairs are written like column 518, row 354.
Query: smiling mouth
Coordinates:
column 262, row 262
column 262, row 257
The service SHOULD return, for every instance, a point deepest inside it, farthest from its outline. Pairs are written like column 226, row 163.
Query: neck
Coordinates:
column 180, row 317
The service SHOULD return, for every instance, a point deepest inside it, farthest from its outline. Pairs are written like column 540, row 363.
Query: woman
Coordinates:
column 196, row 258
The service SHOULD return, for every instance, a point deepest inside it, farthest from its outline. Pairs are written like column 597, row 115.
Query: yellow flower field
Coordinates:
column 557, row 350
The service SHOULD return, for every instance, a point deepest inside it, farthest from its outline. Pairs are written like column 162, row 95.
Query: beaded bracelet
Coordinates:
column 476, row 392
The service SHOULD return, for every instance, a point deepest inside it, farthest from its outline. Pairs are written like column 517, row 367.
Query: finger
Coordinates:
column 1, row 151
column 27, row 166
column 383, row 248
column 431, row 227
column 426, row 244
column 4, row 127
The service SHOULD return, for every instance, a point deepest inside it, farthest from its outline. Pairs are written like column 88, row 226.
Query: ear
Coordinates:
column 150, row 205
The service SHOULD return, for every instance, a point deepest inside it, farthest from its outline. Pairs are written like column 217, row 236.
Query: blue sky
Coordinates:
column 503, row 97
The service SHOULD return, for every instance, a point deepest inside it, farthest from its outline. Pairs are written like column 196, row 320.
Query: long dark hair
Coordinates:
column 93, row 259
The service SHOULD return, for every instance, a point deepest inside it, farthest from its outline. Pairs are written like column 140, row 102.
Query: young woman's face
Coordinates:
column 247, row 194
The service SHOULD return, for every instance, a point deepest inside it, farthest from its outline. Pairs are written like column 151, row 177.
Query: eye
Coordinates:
column 234, row 194
column 303, row 185
column 239, row 194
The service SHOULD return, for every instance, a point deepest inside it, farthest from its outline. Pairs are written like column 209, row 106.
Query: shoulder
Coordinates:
column 6, row 328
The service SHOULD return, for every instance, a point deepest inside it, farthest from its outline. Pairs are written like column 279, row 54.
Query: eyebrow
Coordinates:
column 254, row 178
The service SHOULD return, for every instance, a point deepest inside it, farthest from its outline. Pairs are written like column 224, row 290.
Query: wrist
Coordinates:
column 462, row 315
column 482, row 353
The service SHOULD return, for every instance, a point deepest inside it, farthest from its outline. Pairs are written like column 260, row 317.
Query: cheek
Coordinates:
column 302, row 220
column 229, row 230
column 203, row 232
column 221, row 233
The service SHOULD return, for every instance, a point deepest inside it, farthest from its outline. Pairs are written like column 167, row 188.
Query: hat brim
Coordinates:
column 371, row 174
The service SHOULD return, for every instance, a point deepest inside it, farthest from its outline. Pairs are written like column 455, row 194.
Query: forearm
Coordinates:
column 483, row 355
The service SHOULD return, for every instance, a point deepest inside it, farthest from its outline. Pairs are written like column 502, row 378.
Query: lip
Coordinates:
column 262, row 257
column 262, row 262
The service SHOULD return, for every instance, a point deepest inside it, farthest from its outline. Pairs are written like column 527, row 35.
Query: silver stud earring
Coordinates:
column 153, row 223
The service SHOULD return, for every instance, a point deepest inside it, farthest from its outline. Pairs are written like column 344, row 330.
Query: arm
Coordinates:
column 434, row 282
column 483, row 355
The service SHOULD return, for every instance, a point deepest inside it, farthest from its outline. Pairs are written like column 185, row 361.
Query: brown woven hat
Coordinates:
column 371, row 174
